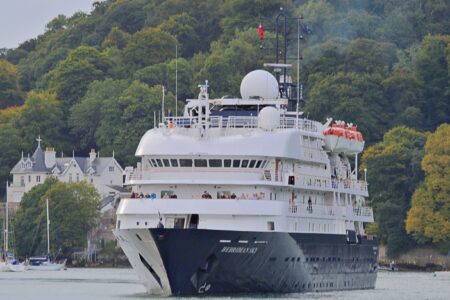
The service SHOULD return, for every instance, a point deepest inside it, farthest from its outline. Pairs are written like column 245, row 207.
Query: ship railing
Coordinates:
column 351, row 185
column 363, row 211
column 305, row 209
column 230, row 122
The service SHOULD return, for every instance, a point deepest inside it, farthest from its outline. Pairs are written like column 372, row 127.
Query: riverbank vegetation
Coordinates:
column 95, row 80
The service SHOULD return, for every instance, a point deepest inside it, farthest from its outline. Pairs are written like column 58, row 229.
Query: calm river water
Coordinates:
column 100, row 284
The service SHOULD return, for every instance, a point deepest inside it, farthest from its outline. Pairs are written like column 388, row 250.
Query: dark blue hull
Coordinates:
column 224, row 262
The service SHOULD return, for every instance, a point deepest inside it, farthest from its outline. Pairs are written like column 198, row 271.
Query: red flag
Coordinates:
column 261, row 32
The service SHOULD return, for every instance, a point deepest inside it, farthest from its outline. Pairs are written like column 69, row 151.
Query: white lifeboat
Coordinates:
column 340, row 138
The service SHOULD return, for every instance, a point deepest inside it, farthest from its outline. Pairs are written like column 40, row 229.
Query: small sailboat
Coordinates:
column 10, row 264
column 44, row 263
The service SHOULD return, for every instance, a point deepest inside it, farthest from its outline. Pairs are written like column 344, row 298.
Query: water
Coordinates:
column 100, row 284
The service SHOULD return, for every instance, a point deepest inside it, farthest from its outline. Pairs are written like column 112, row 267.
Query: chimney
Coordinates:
column 49, row 157
column 92, row 156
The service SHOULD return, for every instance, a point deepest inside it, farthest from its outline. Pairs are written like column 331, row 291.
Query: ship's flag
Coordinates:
column 261, row 32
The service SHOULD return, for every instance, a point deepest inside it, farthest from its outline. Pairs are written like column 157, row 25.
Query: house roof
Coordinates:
column 62, row 163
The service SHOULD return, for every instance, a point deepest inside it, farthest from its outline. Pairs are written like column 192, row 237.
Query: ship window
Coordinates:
column 159, row 162
column 236, row 163
column 185, row 162
column 244, row 163
column 166, row 194
column 271, row 225
column 202, row 163
column 154, row 163
column 150, row 163
column 178, row 223
column 252, row 163
column 225, row 195
column 258, row 164
column 215, row 163
column 174, row 162
column 227, row 163
column 166, row 162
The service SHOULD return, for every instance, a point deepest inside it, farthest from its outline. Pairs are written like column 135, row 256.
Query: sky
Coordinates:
column 21, row 20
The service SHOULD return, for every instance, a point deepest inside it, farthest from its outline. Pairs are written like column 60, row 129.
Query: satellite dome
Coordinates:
column 260, row 84
column 269, row 118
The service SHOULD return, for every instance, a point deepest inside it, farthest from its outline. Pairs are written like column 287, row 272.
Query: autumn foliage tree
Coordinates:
column 429, row 217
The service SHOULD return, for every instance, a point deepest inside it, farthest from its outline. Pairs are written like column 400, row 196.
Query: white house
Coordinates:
column 104, row 173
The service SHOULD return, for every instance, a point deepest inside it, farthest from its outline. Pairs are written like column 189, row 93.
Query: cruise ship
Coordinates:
column 244, row 195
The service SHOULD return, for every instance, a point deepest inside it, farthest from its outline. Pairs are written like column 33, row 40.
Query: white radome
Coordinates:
column 269, row 118
column 259, row 83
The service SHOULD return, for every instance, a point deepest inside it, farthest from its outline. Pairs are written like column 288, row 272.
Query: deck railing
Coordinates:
column 286, row 122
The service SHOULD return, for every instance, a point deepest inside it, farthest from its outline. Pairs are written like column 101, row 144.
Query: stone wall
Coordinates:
column 423, row 258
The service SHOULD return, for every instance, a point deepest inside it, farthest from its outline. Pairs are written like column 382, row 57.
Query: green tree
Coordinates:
column 353, row 97
column 116, row 38
column 42, row 115
column 132, row 116
column 72, row 77
column 165, row 73
column 429, row 217
column 10, row 91
column 29, row 227
column 394, row 172
column 12, row 143
column 86, row 116
column 74, row 211
column 433, row 71
column 183, row 28
column 149, row 46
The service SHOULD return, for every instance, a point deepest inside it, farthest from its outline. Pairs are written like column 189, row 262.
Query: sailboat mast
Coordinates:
column 48, row 229
column 6, row 229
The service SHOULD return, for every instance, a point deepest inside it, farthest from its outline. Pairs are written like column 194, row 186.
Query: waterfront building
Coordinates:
column 105, row 173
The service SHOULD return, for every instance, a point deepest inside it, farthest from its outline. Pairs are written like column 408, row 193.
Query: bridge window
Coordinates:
column 166, row 162
column 159, row 162
column 215, row 163
column 227, row 163
column 244, row 163
column 185, row 162
column 236, row 163
column 174, row 162
column 252, row 163
column 202, row 163
column 258, row 164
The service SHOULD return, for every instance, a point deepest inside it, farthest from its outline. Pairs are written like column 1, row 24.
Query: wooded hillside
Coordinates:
column 94, row 80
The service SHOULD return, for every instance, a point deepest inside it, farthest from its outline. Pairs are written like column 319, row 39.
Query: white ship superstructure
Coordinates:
column 244, row 166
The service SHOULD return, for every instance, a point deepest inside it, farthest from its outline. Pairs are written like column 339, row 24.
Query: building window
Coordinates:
column 70, row 177
column 92, row 180
column 22, row 181
column 111, row 169
column 78, row 177
column 29, row 178
column 38, row 178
